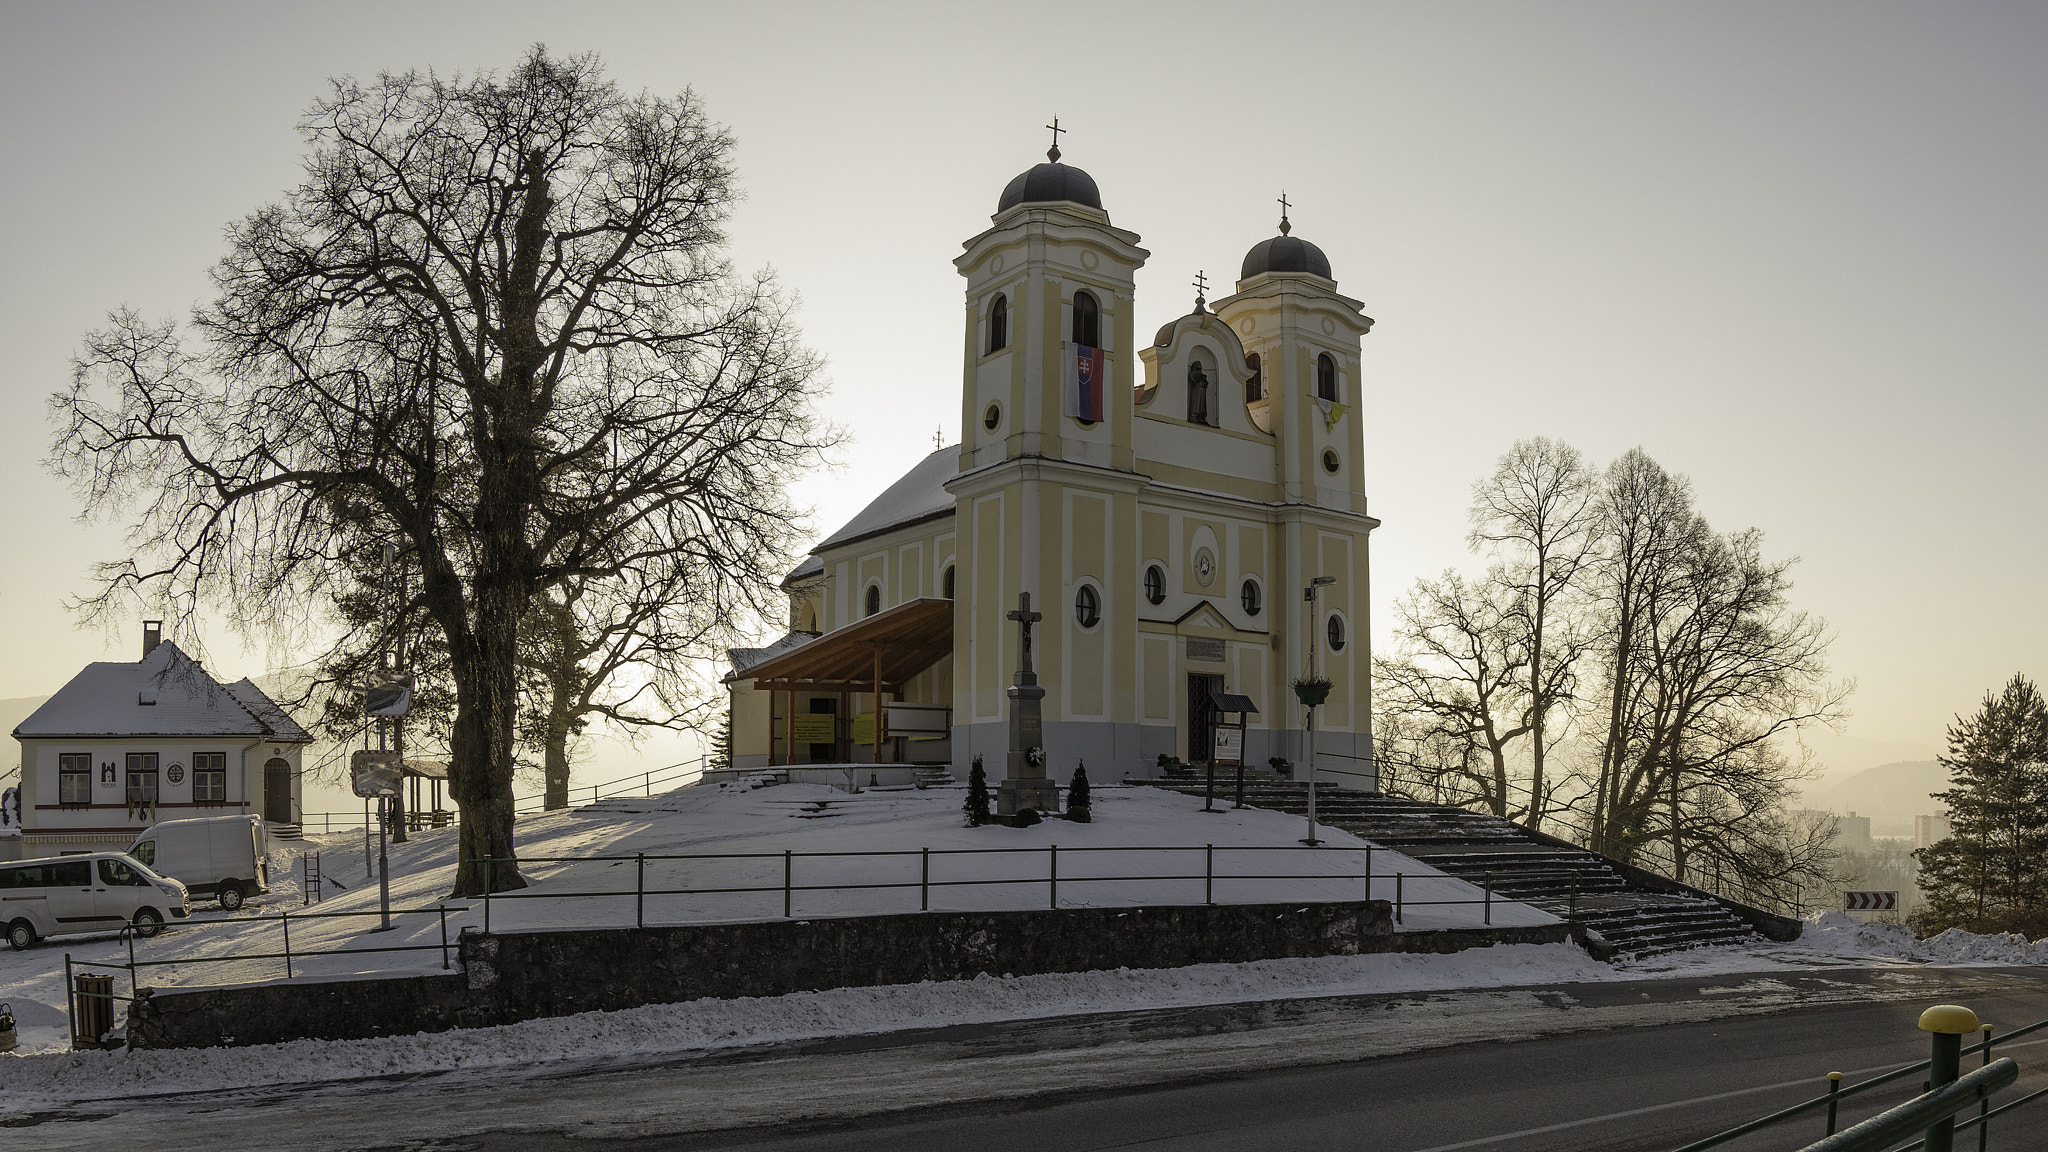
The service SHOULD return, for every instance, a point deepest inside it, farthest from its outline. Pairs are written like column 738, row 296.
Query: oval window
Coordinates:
column 1155, row 585
column 1330, row 461
column 1336, row 633
column 1249, row 597
column 1087, row 607
column 992, row 417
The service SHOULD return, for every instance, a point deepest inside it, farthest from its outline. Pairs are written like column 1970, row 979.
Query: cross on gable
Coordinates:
column 1202, row 284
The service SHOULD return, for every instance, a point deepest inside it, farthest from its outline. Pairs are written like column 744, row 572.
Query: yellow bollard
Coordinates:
column 1949, row 1023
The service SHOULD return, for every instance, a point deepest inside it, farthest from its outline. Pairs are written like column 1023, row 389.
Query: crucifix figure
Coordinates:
column 1025, row 618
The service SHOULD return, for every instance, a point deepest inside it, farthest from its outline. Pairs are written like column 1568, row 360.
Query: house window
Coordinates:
column 1250, row 598
column 946, row 582
column 142, row 778
column 1326, row 377
column 1155, row 585
column 999, row 324
column 74, row 778
column 209, row 777
column 1254, row 388
column 1336, row 633
column 1087, row 321
column 1087, row 607
column 874, row 599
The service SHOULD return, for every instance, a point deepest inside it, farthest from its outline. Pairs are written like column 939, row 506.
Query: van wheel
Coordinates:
column 147, row 922
column 230, row 896
column 22, row 935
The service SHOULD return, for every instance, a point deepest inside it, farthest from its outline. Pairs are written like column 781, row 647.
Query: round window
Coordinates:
column 1336, row 633
column 1155, row 585
column 1249, row 597
column 1330, row 461
column 1087, row 607
column 992, row 417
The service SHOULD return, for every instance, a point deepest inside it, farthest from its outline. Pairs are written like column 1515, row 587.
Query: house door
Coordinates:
column 1202, row 717
column 277, row 791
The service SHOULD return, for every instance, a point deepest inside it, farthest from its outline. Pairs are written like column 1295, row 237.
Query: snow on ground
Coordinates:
column 707, row 821
column 1156, row 844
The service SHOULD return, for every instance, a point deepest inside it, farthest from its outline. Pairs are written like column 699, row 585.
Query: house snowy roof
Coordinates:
column 108, row 699
column 920, row 495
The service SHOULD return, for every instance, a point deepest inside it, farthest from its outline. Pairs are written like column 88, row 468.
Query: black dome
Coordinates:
column 1285, row 254
column 1049, row 182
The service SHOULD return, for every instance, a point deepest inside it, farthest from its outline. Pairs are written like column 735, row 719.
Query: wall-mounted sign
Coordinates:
column 816, row 728
column 107, row 777
column 1204, row 649
column 175, row 773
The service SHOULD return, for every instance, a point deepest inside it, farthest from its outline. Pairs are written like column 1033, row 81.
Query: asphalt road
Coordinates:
column 1643, row 1065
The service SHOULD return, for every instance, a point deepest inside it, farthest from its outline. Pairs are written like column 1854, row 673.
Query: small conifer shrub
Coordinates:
column 976, row 806
column 1077, row 795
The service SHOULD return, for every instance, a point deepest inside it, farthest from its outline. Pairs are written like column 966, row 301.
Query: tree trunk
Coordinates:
column 555, row 756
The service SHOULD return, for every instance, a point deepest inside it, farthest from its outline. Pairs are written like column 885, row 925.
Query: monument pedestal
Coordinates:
column 1025, row 785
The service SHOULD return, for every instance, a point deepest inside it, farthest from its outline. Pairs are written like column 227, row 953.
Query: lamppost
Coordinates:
column 1312, row 594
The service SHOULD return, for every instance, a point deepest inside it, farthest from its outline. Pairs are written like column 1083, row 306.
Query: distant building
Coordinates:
column 1930, row 830
column 123, row 745
column 1853, row 831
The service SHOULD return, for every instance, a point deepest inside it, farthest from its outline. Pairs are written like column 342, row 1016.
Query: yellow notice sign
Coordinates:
column 816, row 728
column 864, row 728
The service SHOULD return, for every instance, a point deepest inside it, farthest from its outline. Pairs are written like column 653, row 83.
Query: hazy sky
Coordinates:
column 1794, row 251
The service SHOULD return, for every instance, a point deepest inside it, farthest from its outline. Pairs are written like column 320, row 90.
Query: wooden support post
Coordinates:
column 789, row 726
column 877, row 733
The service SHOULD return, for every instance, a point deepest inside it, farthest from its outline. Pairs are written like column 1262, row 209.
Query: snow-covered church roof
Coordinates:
column 166, row 693
column 920, row 495
column 745, row 658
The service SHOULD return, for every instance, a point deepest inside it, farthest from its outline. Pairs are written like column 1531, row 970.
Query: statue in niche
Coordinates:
column 1198, row 394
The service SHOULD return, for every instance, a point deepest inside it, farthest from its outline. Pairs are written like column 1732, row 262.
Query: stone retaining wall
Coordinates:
column 509, row 977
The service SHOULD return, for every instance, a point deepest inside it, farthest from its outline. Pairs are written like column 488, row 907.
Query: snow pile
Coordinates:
column 1842, row 934
column 42, row 1081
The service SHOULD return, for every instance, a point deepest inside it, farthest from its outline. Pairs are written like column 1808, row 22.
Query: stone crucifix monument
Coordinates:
column 1025, row 784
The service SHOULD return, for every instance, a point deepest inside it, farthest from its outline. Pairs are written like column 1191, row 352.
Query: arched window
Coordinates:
column 1251, row 599
column 1155, row 585
column 1087, row 321
column 1254, row 388
column 1336, row 632
column 1326, row 377
column 946, row 582
column 1087, row 606
column 999, row 324
column 874, row 599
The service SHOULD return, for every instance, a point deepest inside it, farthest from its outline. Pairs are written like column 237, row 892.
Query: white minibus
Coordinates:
column 91, row 892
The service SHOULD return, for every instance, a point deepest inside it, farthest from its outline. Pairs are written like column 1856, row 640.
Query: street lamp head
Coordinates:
column 1323, row 580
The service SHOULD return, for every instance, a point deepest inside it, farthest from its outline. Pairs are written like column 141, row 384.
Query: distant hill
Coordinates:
column 1890, row 794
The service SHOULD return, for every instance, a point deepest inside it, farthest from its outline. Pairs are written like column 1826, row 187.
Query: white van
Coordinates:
column 225, row 857
column 92, row 892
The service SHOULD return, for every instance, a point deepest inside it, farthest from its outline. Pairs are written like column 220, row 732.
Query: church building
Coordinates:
column 1168, row 506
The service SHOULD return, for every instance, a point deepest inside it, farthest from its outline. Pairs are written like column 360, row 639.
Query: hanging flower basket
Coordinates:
column 1311, row 690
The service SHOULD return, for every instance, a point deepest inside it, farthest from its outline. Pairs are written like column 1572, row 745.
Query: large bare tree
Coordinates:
column 494, row 321
column 1538, row 515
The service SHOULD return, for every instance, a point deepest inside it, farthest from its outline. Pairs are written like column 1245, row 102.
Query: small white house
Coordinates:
column 124, row 745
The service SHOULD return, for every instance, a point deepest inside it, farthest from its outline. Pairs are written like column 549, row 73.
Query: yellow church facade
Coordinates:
column 1166, row 504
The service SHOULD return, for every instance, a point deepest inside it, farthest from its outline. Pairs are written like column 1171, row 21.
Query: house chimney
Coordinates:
column 152, row 635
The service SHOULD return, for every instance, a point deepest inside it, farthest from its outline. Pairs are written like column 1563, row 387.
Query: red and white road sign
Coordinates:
column 1870, row 901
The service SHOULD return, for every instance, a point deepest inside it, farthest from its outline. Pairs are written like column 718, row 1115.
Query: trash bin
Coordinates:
column 93, row 1010
column 7, row 1039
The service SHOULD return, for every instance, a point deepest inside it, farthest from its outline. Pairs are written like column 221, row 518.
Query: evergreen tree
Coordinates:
column 718, row 750
column 977, row 796
column 1991, row 874
column 1077, row 795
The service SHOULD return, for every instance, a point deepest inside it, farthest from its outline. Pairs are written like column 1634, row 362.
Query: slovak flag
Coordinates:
column 1087, row 382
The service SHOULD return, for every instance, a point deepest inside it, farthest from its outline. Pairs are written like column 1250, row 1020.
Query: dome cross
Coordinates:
column 1285, row 227
column 1053, row 153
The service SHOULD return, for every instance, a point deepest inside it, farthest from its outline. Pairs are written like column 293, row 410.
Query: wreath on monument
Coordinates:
column 1035, row 757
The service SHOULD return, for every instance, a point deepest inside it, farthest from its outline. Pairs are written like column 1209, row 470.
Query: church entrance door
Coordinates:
column 1202, row 717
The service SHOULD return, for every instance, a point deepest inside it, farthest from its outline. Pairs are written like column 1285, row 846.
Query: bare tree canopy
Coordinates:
column 494, row 322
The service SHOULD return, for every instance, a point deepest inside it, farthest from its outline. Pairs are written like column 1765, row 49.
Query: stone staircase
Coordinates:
column 1619, row 911
column 935, row 776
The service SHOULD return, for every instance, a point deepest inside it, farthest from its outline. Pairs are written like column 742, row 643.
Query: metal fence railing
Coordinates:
column 639, row 784
column 788, row 887
column 1927, row 1118
column 133, row 964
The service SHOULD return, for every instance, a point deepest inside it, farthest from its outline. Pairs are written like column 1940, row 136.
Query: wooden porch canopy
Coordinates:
column 879, row 654
column 886, row 649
